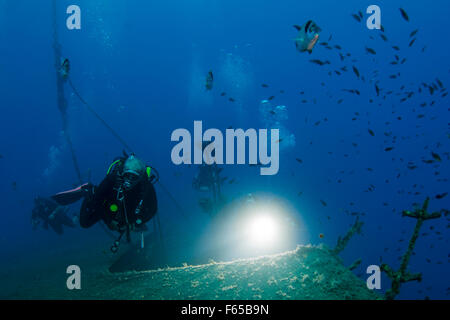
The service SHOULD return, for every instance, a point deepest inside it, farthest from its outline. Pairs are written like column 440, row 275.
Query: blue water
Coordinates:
column 142, row 67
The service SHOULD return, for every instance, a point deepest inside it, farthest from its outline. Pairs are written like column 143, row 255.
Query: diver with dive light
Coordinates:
column 125, row 200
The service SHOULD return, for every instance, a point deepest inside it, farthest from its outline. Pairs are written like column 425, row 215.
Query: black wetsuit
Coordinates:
column 44, row 208
column 105, row 204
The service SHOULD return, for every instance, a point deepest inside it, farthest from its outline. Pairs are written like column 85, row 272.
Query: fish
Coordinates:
column 412, row 42
column 299, row 160
column 442, row 195
column 223, row 94
column 404, row 14
column 383, row 37
column 356, row 71
column 323, row 203
column 14, row 185
column 356, row 17
column 371, row 132
column 396, row 48
column 231, row 100
column 436, row 156
column 388, row 149
column 377, row 89
column 370, row 50
column 413, row 33
column 320, row 62
column 307, row 37
column 264, row 85
column 209, row 80
column 270, row 98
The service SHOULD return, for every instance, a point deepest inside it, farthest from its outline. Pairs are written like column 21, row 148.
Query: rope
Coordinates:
column 115, row 134
column 175, row 202
column 61, row 101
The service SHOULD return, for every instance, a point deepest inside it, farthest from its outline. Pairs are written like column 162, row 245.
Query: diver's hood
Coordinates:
column 134, row 165
column 134, row 171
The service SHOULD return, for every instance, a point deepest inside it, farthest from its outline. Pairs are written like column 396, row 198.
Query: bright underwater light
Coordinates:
column 254, row 225
column 262, row 229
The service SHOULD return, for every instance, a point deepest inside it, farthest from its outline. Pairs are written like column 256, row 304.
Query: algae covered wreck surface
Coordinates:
column 308, row 272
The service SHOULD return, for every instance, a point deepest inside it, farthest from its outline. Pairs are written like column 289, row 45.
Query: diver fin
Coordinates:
column 71, row 196
column 297, row 27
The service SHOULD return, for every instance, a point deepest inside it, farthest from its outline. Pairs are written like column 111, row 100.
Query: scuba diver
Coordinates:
column 65, row 69
column 208, row 179
column 125, row 200
column 209, row 80
column 50, row 213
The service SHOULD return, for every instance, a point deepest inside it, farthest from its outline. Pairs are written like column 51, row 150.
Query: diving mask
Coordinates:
column 130, row 179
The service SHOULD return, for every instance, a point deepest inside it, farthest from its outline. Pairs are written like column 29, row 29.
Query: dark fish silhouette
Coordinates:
column 377, row 89
column 370, row 50
column 413, row 33
column 356, row 71
column 442, row 195
column 319, row 62
column 436, row 156
column 356, row 17
column 404, row 14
